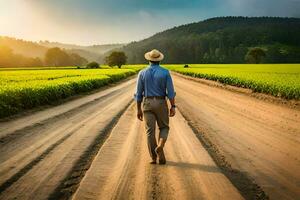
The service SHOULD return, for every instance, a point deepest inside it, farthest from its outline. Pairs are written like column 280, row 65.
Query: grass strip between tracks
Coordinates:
column 71, row 182
column 246, row 185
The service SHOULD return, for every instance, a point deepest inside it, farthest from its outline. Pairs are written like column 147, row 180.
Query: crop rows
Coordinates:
column 277, row 80
column 25, row 89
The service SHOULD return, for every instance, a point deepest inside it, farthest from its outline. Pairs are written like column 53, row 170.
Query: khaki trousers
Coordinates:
column 155, row 111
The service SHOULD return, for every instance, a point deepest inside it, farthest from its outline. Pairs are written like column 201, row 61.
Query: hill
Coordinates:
column 224, row 40
column 38, row 49
column 23, row 47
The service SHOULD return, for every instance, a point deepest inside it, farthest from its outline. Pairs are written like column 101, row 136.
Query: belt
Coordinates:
column 155, row 97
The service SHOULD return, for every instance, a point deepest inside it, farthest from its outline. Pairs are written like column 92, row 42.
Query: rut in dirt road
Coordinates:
column 38, row 151
column 256, row 137
column 121, row 169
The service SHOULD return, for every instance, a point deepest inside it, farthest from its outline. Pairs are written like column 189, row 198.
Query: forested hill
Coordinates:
column 224, row 40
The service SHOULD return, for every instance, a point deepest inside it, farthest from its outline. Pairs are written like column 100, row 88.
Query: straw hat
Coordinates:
column 154, row 55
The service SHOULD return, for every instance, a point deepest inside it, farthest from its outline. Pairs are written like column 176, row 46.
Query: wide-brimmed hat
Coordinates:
column 154, row 55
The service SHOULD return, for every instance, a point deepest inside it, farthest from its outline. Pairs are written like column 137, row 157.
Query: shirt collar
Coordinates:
column 153, row 65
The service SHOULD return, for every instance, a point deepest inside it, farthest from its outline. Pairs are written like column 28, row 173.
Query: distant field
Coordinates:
column 23, row 88
column 281, row 80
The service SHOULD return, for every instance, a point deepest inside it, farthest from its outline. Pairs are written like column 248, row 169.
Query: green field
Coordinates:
column 23, row 88
column 281, row 80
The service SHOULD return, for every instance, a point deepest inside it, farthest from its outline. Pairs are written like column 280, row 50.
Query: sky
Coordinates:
column 88, row 22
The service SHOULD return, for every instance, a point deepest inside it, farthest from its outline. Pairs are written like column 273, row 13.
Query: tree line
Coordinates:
column 9, row 59
column 57, row 57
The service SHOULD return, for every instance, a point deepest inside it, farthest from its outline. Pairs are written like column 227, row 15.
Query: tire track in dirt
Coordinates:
column 27, row 167
column 34, row 164
column 27, row 129
column 69, row 185
column 20, row 152
column 246, row 185
column 11, row 126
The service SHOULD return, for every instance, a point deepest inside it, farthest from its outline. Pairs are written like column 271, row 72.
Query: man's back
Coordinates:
column 154, row 81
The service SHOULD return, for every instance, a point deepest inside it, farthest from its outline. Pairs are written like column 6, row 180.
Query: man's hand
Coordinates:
column 172, row 109
column 172, row 112
column 140, row 114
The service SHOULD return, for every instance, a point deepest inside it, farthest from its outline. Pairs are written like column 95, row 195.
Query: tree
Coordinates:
column 37, row 62
column 57, row 57
column 255, row 55
column 93, row 65
column 77, row 59
column 6, row 56
column 116, row 58
column 9, row 59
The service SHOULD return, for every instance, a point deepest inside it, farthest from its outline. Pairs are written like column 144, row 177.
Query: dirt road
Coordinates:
column 121, row 169
column 64, row 151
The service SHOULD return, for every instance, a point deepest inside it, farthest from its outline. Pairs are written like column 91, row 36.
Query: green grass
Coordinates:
column 23, row 89
column 281, row 80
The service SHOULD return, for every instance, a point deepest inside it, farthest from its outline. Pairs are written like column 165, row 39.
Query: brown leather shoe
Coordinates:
column 161, row 156
column 153, row 160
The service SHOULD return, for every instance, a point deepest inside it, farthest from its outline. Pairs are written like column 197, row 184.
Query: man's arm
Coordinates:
column 171, row 94
column 139, row 96
column 172, row 109
column 139, row 111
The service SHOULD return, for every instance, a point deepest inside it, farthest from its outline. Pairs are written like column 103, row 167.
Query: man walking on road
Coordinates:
column 154, row 84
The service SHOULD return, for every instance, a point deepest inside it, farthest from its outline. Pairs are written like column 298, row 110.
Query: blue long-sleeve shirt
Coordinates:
column 154, row 81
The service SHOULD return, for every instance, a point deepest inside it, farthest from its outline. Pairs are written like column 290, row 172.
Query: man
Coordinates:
column 154, row 84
